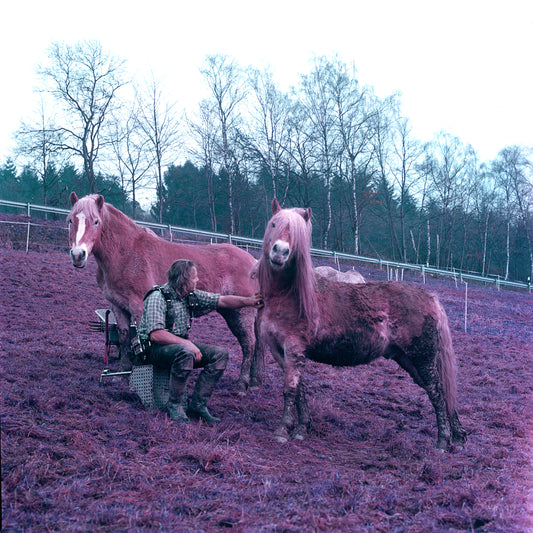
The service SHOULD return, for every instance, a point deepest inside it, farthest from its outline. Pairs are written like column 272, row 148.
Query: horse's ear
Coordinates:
column 100, row 202
column 73, row 198
column 275, row 206
column 307, row 214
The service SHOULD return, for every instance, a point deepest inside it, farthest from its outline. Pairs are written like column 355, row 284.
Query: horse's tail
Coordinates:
column 446, row 363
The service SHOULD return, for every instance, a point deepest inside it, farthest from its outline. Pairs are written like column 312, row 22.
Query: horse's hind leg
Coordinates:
column 425, row 374
column 241, row 323
column 458, row 433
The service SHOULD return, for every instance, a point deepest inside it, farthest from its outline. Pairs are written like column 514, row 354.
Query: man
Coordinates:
column 166, row 325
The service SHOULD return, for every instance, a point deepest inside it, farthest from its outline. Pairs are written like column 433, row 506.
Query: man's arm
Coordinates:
column 232, row 301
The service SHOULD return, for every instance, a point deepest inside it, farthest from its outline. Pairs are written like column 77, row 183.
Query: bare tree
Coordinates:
column 406, row 153
column 159, row 123
column 37, row 143
column 133, row 158
column 448, row 183
column 224, row 80
column 355, row 115
column 513, row 172
column 269, row 128
column 301, row 149
column 84, row 80
column 203, row 131
column 319, row 104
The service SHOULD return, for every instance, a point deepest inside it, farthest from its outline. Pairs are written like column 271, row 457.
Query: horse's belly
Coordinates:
column 343, row 352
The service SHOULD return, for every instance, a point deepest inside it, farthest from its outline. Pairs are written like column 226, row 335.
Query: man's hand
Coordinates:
column 257, row 301
column 231, row 301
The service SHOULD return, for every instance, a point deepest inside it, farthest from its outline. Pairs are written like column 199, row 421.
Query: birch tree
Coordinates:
column 224, row 80
column 160, row 124
column 204, row 134
column 269, row 126
column 319, row 104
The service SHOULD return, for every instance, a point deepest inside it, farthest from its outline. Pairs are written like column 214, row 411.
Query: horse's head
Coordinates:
column 288, row 233
column 286, row 262
column 85, row 222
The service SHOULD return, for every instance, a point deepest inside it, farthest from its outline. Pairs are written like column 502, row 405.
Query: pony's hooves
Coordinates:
column 443, row 446
column 255, row 384
column 281, row 435
column 242, row 388
column 300, row 433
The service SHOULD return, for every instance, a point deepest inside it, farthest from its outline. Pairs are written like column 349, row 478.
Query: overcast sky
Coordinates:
column 465, row 67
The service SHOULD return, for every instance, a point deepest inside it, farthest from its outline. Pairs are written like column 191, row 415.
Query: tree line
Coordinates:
column 330, row 143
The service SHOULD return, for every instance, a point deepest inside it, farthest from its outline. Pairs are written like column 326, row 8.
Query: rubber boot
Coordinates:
column 178, row 398
column 202, row 392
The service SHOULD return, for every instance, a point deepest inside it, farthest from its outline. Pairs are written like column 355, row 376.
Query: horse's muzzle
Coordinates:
column 279, row 254
column 78, row 257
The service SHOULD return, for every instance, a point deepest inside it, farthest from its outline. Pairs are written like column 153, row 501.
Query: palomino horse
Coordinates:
column 342, row 324
column 350, row 276
column 132, row 259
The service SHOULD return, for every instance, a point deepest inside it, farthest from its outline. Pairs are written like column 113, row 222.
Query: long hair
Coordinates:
column 179, row 275
column 299, row 279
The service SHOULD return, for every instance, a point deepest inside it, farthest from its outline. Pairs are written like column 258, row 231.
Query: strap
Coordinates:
column 168, row 299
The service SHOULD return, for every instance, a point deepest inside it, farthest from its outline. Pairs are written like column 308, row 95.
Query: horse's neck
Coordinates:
column 117, row 236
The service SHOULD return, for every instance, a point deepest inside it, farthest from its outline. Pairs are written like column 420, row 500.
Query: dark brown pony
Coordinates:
column 132, row 259
column 342, row 324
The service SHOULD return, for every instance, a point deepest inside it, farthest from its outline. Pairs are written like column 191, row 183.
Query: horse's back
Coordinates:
column 222, row 268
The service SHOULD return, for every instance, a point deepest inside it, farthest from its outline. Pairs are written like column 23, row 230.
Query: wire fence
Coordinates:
column 394, row 269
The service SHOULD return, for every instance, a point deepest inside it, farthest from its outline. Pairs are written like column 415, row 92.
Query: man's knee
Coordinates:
column 221, row 358
column 185, row 359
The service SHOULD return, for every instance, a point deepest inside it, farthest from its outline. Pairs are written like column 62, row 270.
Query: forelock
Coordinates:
column 87, row 205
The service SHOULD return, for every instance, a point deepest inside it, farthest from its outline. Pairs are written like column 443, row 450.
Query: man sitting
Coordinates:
column 167, row 325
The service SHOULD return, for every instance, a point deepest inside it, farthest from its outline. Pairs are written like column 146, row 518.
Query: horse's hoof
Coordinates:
column 281, row 435
column 255, row 384
column 300, row 433
column 242, row 388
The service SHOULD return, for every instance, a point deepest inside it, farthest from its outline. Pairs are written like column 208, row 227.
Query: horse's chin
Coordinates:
column 79, row 265
column 277, row 266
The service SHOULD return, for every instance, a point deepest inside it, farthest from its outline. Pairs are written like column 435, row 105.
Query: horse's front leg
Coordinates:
column 123, row 331
column 293, row 366
column 304, row 417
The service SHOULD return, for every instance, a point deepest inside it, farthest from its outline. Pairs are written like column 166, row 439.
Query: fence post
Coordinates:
column 466, row 304
column 28, row 230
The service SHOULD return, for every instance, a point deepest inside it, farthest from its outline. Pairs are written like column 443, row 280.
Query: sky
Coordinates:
column 464, row 67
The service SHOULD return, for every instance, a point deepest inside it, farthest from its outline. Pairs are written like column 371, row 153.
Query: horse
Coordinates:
column 341, row 324
column 131, row 259
column 350, row 276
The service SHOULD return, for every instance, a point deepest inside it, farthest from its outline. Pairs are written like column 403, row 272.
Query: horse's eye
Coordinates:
column 96, row 222
column 273, row 225
column 69, row 221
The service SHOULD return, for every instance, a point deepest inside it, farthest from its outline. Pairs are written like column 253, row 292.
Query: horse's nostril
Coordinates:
column 286, row 252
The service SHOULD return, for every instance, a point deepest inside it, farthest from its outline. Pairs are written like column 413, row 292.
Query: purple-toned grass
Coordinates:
column 79, row 457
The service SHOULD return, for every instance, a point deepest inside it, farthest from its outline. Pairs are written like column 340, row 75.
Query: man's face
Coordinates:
column 193, row 279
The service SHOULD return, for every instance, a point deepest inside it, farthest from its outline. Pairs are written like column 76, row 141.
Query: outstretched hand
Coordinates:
column 257, row 300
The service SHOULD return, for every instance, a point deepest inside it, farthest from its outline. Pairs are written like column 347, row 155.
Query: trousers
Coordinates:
column 180, row 361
